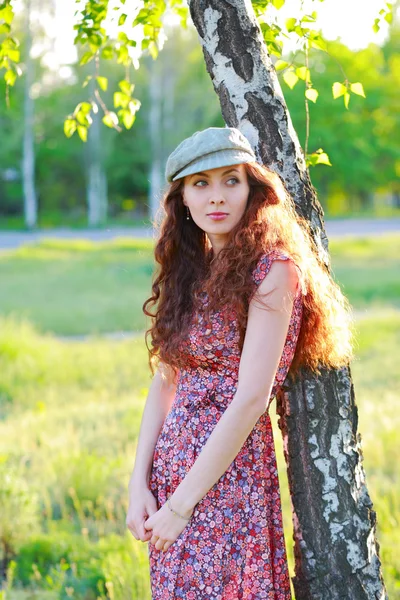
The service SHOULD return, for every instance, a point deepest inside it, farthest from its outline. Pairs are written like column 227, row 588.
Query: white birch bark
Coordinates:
column 96, row 186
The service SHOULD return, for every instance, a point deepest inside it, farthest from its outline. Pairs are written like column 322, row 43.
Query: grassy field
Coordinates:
column 71, row 410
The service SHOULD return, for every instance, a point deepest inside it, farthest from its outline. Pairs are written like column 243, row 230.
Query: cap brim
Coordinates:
column 223, row 158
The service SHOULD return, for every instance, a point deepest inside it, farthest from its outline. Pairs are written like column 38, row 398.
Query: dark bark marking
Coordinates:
column 233, row 42
column 209, row 65
column 262, row 117
column 227, row 106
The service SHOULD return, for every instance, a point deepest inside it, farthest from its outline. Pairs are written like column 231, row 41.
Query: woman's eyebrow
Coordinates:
column 205, row 174
column 230, row 171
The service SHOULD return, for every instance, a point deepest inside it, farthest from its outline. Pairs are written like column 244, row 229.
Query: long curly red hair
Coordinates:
column 186, row 267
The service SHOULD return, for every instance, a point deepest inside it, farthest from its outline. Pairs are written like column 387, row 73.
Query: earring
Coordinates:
column 187, row 213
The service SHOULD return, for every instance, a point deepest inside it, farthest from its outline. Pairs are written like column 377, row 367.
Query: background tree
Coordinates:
column 28, row 160
column 363, row 178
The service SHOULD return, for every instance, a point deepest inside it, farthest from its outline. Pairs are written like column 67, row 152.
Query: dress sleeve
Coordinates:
column 260, row 272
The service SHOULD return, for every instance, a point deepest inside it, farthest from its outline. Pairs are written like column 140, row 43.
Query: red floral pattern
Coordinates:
column 233, row 546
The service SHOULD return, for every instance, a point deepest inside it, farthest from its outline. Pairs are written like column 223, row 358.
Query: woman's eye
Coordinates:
column 200, row 182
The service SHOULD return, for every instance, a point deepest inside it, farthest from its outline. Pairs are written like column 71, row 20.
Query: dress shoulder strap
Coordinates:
column 264, row 264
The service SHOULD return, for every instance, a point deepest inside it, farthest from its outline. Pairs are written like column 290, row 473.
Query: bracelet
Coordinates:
column 175, row 513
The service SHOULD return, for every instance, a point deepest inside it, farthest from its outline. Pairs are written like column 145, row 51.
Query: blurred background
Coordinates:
column 124, row 171
column 73, row 362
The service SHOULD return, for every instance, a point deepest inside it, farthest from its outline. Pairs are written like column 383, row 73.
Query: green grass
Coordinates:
column 71, row 415
column 79, row 287
column 368, row 270
column 70, row 411
column 77, row 221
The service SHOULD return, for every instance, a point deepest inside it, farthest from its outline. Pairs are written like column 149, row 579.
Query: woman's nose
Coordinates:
column 216, row 195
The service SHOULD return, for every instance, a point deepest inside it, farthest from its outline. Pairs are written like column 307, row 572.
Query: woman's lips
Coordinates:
column 217, row 216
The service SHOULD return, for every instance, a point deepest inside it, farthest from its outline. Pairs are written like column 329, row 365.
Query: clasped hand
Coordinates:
column 166, row 527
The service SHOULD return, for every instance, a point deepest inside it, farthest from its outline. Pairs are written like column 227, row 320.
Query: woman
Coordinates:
column 241, row 302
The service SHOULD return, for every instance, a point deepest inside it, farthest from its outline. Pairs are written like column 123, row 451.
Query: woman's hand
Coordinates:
column 142, row 504
column 166, row 527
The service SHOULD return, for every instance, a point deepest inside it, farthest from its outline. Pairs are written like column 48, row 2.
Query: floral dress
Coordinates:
column 233, row 546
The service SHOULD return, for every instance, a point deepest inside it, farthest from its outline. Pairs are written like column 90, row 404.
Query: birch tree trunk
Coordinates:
column 96, row 179
column 336, row 550
column 28, row 154
column 155, row 129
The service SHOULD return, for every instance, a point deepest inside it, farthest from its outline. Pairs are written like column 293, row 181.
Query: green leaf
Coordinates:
column 376, row 26
column 301, row 31
column 323, row 159
column 5, row 28
column 290, row 24
column 84, row 107
column 87, row 57
column 121, row 99
column 69, row 127
column 126, row 87
column 95, row 40
column 122, row 37
column 319, row 157
column 82, row 132
column 110, row 119
column 153, row 50
column 278, row 3
column 107, row 52
column 389, row 17
column 10, row 43
column 103, row 82
column 303, row 73
column 338, row 89
column 13, row 55
column 10, row 77
column 83, row 119
column 311, row 160
column 6, row 14
column 127, row 118
column 281, row 64
column 308, row 18
column 346, row 99
column 311, row 94
column 122, row 19
column 123, row 55
column 290, row 78
column 274, row 48
column 357, row 88
column 318, row 43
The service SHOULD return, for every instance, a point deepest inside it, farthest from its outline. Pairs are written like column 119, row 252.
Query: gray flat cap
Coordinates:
column 209, row 149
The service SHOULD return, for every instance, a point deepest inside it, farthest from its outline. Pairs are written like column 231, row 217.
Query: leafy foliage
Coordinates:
column 145, row 29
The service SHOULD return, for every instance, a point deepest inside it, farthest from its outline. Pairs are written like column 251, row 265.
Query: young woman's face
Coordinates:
column 217, row 199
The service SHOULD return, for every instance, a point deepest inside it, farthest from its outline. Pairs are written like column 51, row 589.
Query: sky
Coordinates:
column 351, row 20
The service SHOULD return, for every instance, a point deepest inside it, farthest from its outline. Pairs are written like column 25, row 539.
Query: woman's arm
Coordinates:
column 263, row 345
column 160, row 397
